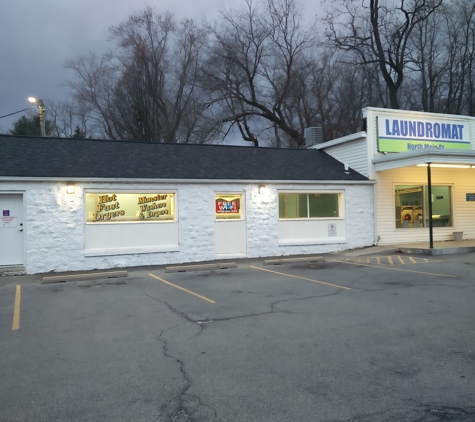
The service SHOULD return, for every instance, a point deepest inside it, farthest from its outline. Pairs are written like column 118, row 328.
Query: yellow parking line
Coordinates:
column 400, row 259
column 301, row 278
column 181, row 288
column 390, row 260
column 395, row 269
column 16, row 309
column 378, row 260
column 412, row 260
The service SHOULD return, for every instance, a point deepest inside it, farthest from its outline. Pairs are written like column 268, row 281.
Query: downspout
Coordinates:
column 375, row 220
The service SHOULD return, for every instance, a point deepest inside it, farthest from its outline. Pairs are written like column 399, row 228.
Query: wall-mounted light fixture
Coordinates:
column 70, row 188
column 261, row 189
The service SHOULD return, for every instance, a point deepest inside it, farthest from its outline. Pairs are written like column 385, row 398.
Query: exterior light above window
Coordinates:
column 70, row 188
column 262, row 189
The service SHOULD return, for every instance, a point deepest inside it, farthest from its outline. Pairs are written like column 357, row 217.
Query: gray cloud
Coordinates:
column 36, row 38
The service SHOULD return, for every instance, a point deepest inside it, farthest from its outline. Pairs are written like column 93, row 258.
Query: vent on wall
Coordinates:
column 313, row 135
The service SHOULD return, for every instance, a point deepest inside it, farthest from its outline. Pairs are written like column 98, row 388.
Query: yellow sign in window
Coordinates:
column 138, row 207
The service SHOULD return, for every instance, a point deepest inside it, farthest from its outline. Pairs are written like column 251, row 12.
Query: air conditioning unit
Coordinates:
column 313, row 135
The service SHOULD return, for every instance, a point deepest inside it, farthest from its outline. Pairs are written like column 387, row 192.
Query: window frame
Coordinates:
column 242, row 206
column 340, row 198
column 108, row 191
column 425, row 208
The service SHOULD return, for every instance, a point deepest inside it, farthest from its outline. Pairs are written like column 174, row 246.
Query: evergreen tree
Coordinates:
column 25, row 126
column 78, row 133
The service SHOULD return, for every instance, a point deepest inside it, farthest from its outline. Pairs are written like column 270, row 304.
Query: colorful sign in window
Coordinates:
column 228, row 207
column 118, row 207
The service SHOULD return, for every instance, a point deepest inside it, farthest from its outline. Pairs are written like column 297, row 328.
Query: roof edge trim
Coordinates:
column 412, row 158
column 348, row 138
column 184, row 181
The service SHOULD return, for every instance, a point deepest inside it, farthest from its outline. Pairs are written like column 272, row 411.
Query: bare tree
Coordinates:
column 94, row 85
column 70, row 117
column 460, row 47
column 251, row 68
column 428, row 64
column 379, row 33
column 146, row 88
column 443, row 59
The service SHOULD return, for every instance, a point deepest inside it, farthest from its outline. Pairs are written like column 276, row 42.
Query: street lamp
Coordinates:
column 41, row 112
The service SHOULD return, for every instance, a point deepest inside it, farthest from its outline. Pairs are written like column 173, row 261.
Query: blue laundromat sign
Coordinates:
column 470, row 196
column 411, row 134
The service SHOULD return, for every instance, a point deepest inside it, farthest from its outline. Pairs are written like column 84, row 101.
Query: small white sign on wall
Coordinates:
column 8, row 221
column 332, row 229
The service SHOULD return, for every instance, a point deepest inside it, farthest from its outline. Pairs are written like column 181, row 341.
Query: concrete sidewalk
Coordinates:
column 418, row 248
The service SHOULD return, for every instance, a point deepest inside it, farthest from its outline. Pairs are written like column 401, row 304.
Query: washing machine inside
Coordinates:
column 411, row 216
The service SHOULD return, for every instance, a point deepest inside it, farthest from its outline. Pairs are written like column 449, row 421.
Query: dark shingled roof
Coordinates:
column 86, row 158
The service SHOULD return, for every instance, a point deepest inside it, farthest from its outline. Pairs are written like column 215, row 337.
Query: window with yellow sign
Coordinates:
column 116, row 207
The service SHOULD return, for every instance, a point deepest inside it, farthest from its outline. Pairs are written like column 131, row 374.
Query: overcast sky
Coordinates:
column 37, row 37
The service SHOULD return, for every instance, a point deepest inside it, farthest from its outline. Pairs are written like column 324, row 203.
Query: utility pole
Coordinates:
column 42, row 118
column 41, row 111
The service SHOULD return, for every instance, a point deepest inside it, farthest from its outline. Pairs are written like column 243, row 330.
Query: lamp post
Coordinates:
column 41, row 113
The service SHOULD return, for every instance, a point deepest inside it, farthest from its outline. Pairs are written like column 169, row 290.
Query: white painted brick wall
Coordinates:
column 54, row 223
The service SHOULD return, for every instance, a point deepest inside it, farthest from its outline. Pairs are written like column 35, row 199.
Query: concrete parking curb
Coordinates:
column 201, row 267
column 81, row 277
column 438, row 251
column 307, row 259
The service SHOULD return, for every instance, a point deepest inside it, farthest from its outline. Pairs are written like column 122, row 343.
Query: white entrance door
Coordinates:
column 230, row 226
column 11, row 229
column 230, row 237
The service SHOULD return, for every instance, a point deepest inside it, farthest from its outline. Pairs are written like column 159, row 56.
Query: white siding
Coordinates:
column 354, row 154
column 463, row 182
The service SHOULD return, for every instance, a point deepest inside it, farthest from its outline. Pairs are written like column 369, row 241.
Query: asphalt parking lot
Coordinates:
column 375, row 338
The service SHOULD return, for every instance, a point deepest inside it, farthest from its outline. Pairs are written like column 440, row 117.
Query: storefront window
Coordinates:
column 309, row 205
column 228, row 207
column 412, row 206
column 116, row 207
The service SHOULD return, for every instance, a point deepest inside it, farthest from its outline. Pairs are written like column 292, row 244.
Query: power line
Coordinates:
column 6, row 115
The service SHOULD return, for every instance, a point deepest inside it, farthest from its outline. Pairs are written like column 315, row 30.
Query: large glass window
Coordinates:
column 412, row 206
column 115, row 207
column 309, row 205
column 229, row 207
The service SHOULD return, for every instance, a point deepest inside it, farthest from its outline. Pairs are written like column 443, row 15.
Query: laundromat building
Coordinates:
column 405, row 153
column 71, row 204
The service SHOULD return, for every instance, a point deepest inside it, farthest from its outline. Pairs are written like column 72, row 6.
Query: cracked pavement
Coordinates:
column 276, row 346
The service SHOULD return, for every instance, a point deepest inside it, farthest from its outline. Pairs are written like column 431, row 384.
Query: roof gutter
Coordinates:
column 182, row 181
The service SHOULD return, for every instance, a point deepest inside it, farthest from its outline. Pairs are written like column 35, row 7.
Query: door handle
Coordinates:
column 21, row 230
